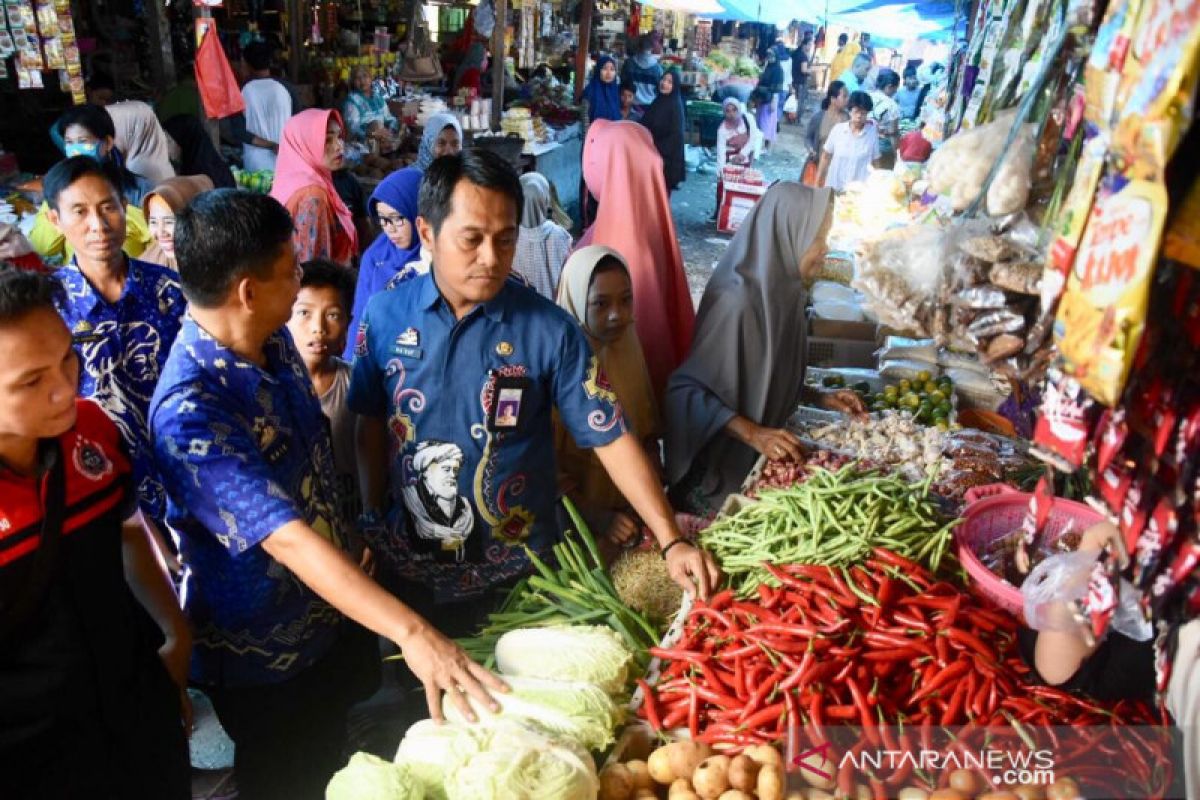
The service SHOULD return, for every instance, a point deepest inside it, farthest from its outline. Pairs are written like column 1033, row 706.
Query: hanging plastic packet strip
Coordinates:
column 1064, row 424
column 1095, row 611
column 1154, row 543
column 1113, row 432
column 1179, row 575
column 1036, row 515
column 1135, row 512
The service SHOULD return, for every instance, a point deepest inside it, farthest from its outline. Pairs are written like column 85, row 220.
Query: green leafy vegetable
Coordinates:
column 590, row 653
column 516, row 774
column 369, row 777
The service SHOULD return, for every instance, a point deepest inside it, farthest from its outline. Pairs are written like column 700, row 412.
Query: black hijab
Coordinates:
column 197, row 156
column 664, row 119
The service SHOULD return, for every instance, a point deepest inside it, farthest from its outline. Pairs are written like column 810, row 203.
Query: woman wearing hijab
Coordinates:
column 443, row 136
column 160, row 208
column 312, row 148
column 664, row 120
column 622, row 171
column 142, row 140
column 744, row 377
column 395, row 254
column 469, row 74
column 603, row 93
column 738, row 141
column 365, row 108
column 596, row 289
column 197, row 156
column 542, row 244
column 770, row 85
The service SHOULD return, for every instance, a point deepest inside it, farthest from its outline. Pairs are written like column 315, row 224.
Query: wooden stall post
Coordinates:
column 296, row 20
column 498, row 54
column 585, row 44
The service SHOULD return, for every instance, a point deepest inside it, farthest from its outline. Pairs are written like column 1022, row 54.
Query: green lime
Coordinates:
column 940, row 414
column 890, row 391
column 945, row 406
column 911, row 400
column 930, row 387
column 905, row 386
column 923, row 376
column 943, row 425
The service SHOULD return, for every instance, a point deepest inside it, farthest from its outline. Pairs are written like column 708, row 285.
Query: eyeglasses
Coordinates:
column 393, row 222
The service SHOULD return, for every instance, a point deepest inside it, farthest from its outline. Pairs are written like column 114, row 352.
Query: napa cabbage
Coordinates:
column 368, row 777
column 590, row 653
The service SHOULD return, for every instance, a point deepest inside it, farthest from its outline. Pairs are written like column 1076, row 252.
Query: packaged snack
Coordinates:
column 1096, row 610
column 988, row 297
column 1103, row 310
column 995, row 323
column 1022, row 277
column 1157, row 539
column 1003, row 346
column 1065, row 422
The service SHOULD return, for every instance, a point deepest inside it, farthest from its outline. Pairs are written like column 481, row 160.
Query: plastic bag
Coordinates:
column 1062, row 579
column 961, row 166
column 218, row 87
column 898, row 347
column 901, row 369
column 791, row 105
column 485, row 19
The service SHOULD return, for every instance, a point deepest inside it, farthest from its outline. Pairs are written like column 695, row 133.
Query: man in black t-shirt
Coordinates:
column 94, row 649
column 801, row 57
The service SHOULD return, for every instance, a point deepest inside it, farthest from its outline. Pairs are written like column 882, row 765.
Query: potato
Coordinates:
column 818, row 761
column 964, row 781
column 639, row 773
column 949, row 794
column 681, row 786
column 645, row 794
column 736, row 794
column 1000, row 795
column 1063, row 789
column 771, row 782
column 615, row 783
column 815, row 794
column 743, row 773
column 764, row 754
column 711, row 778
column 1028, row 792
column 659, row 765
column 862, row 792
column 686, row 795
column 912, row 793
column 685, row 757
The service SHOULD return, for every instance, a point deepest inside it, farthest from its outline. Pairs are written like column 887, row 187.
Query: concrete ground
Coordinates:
column 692, row 204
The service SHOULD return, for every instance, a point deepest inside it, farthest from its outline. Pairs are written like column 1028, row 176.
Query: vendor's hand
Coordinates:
column 1096, row 537
column 623, row 529
column 176, row 655
column 693, row 569
column 777, row 444
column 844, row 401
column 443, row 666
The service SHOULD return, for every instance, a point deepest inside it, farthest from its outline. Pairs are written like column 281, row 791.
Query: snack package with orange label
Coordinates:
column 1103, row 310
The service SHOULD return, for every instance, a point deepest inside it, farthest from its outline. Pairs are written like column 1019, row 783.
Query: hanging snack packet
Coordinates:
column 1064, row 424
column 1156, row 540
column 1103, row 311
column 1095, row 611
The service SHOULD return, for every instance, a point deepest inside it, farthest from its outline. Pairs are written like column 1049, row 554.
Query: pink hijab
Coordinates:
column 301, row 163
column 623, row 171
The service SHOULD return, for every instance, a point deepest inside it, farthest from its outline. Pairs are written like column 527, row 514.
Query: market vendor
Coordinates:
column 456, row 375
column 247, row 460
column 727, row 404
column 93, row 667
column 443, row 136
column 366, row 113
column 738, row 142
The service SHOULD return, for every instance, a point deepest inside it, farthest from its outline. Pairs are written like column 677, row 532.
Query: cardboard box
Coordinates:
column 840, row 329
column 736, row 201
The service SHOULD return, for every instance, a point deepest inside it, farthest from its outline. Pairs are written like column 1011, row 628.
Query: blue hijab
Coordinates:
column 383, row 261
column 604, row 99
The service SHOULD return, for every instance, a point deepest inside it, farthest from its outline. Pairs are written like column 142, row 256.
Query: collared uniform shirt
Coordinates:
column 851, row 154
column 122, row 347
column 243, row 451
column 468, row 405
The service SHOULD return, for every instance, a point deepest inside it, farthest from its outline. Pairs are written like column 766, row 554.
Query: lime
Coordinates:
column 923, row 376
column 905, row 386
column 943, row 425
column 945, row 406
column 940, row 414
column 911, row 400
column 890, row 391
column 930, row 387
column 936, row 397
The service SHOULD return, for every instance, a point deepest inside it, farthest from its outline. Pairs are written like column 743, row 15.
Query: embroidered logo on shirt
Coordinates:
column 360, row 341
column 504, row 349
column 410, row 338
column 90, row 461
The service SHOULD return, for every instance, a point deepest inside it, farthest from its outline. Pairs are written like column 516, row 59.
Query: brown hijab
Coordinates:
column 177, row 193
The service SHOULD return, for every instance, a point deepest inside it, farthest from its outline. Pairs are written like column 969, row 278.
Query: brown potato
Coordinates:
column 659, row 765
column 819, row 761
column 711, row 778
column 736, row 794
column 681, row 786
column 645, row 794
column 771, row 782
column 743, row 773
column 999, row 795
column 912, row 793
column 1063, row 789
column 615, row 783
column 685, row 757
column 764, row 754
column 639, row 772
column 1028, row 792
column 949, row 794
column 964, row 781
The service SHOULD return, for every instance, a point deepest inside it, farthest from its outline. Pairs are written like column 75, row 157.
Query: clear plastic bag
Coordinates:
column 1062, row 579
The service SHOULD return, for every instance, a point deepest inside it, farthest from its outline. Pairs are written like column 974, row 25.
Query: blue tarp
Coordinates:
column 889, row 22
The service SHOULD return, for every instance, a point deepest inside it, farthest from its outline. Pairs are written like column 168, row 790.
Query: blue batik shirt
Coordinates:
column 122, row 347
column 244, row 450
column 468, row 406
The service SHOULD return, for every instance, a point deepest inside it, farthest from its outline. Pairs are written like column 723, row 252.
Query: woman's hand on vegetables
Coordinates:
column 443, row 666
column 694, row 569
column 844, row 401
column 777, row 444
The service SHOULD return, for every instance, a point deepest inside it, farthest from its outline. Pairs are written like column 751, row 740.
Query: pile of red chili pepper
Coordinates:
column 877, row 645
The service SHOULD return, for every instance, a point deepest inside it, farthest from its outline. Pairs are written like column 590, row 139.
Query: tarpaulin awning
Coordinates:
column 890, row 22
column 701, row 8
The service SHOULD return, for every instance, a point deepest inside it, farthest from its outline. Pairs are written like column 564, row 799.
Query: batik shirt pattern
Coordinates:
column 244, row 450
column 122, row 347
column 468, row 405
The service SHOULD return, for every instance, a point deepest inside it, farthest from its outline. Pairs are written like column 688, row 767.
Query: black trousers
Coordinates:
column 290, row 737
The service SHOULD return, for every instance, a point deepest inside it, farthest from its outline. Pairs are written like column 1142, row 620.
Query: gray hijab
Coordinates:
column 749, row 350
column 537, row 200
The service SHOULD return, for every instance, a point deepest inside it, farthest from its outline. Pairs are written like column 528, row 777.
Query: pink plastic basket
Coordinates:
column 995, row 511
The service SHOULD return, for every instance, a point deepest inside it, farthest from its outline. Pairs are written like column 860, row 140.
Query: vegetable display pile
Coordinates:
column 834, row 519
column 579, row 592
column 693, row 771
column 644, row 584
column 786, row 474
column 877, row 645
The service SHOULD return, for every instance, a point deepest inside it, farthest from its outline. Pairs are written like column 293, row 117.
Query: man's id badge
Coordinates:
column 509, row 397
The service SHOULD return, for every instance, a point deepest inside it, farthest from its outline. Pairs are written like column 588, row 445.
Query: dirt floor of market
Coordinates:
column 692, row 205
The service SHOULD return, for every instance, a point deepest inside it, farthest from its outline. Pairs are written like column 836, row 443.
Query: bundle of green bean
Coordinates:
column 579, row 592
column 832, row 519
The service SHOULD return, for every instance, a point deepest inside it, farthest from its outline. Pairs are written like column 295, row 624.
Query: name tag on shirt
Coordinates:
column 510, row 397
column 407, row 352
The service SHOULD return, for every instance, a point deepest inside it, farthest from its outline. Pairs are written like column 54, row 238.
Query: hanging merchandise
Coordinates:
column 218, row 87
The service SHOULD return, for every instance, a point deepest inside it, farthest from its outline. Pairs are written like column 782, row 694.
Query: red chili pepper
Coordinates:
column 714, row 679
column 694, row 714
column 721, row 600
column 675, row 716
column 953, row 711
column 891, row 655
column 965, row 639
column 717, row 616
column 801, row 631
column 948, row 674
column 715, row 697
column 762, row 717
column 841, row 712
column 677, row 655
column 865, row 719
column 649, row 705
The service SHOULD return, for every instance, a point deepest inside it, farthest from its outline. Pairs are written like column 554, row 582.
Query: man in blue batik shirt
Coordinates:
column 246, row 458
column 456, row 375
column 123, row 314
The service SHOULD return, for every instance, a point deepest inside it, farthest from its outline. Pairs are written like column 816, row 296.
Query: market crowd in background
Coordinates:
column 276, row 396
